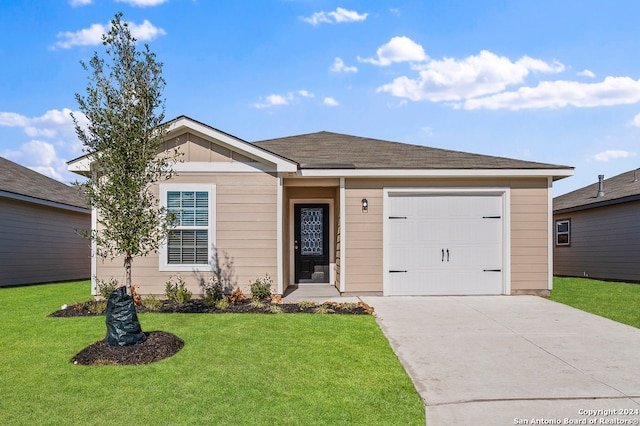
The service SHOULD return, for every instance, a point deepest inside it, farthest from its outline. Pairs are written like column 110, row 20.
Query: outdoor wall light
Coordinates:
column 365, row 205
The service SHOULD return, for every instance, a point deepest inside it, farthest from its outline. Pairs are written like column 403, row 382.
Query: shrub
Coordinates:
column 222, row 304
column 236, row 297
column 137, row 299
column 324, row 309
column 261, row 288
column 100, row 306
column 177, row 291
column 306, row 304
column 275, row 309
column 152, row 303
column 212, row 289
column 105, row 287
column 257, row 303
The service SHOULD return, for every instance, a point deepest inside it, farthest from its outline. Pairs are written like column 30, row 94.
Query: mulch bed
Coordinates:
column 159, row 345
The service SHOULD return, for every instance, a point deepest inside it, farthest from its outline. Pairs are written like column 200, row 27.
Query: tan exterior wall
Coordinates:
column 605, row 242
column 529, row 229
column 39, row 244
column 246, row 225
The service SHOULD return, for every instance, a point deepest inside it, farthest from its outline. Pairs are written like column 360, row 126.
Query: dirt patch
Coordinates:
column 158, row 345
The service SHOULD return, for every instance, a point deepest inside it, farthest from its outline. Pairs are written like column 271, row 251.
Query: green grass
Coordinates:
column 294, row 369
column 617, row 301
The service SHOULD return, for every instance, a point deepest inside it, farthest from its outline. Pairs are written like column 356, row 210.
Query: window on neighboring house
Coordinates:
column 188, row 244
column 563, row 232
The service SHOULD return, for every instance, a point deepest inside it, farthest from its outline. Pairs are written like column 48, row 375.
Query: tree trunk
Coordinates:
column 128, row 259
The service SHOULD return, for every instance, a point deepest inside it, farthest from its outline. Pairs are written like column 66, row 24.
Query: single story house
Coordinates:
column 597, row 230
column 39, row 217
column 360, row 214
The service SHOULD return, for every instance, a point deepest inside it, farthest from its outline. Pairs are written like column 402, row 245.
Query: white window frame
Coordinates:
column 164, row 265
column 567, row 233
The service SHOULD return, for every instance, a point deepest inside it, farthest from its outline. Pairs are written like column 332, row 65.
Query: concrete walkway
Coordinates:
column 504, row 360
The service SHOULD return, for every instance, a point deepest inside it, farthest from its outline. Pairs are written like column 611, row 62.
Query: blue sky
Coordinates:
column 549, row 81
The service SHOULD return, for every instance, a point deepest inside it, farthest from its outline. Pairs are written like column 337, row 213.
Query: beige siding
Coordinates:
column 529, row 229
column 40, row 244
column 605, row 242
column 246, row 234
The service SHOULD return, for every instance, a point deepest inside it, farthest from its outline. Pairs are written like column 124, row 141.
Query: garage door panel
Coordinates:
column 444, row 244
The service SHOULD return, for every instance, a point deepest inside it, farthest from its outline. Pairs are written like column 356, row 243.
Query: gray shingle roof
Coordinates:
column 20, row 180
column 621, row 188
column 335, row 150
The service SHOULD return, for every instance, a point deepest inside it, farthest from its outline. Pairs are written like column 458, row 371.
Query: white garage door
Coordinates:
column 444, row 244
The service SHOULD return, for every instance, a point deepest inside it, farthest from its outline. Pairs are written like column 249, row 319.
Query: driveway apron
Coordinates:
column 504, row 360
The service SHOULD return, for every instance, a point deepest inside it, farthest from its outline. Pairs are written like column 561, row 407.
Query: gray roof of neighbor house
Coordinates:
column 21, row 181
column 622, row 188
column 336, row 150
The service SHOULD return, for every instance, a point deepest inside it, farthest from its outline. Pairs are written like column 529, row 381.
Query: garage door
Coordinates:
column 444, row 244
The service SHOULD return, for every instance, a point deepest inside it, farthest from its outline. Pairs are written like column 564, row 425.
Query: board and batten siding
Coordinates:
column 529, row 229
column 39, row 244
column 605, row 242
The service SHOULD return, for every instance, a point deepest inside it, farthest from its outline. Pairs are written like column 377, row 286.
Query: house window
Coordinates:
column 563, row 232
column 189, row 244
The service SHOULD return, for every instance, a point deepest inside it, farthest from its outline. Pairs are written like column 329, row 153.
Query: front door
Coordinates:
column 311, row 243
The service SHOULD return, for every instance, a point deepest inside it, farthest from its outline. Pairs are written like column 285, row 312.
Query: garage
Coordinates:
column 444, row 243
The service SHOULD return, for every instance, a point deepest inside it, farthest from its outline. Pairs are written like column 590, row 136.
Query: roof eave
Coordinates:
column 556, row 174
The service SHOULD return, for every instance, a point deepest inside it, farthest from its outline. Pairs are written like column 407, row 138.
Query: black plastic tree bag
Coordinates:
column 123, row 327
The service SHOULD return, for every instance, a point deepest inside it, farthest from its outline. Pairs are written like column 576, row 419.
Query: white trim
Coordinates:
column 332, row 237
column 222, row 167
column 504, row 192
column 230, row 142
column 279, row 236
column 343, row 233
column 81, row 165
column 551, row 234
column 42, row 202
column 94, row 255
column 435, row 173
column 211, row 265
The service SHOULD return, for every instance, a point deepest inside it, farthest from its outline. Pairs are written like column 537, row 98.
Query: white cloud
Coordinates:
column 605, row 156
column 636, row 121
column 306, row 94
column 586, row 73
column 77, row 3
column 272, row 100
column 142, row 3
column 557, row 94
column 92, row 36
column 338, row 16
column 339, row 66
column 329, row 101
column 454, row 80
column 398, row 49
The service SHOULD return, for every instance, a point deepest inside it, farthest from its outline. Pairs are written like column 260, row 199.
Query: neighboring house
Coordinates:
column 360, row 214
column 597, row 230
column 39, row 217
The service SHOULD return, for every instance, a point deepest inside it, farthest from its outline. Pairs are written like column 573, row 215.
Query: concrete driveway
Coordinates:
column 504, row 360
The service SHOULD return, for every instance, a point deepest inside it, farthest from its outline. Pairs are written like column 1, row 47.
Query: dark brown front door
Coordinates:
column 311, row 243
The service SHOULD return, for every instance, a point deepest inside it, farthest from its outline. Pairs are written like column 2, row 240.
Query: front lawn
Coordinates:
column 234, row 369
column 617, row 301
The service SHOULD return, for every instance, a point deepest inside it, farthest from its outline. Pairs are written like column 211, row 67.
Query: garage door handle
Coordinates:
column 491, row 217
column 397, row 270
column 447, row 255
column 492, row 270
column 442, row 255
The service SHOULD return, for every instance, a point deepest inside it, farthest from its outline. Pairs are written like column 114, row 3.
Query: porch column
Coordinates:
column 279, row 231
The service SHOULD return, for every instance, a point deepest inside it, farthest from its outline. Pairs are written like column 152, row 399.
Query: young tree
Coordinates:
column 125, row 111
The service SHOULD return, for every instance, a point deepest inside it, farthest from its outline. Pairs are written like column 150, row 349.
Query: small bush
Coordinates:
column 177, row 291
column 256, row 303
column 100, row 306
column 349, row 305
column 324, row 309
column 212, row 289
column 261, row 288
column 137, row 299
column 152, row 303
column 105, row 287
column 275, row 309
column 236, row 297
column 306, row 304
column 222, row 304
